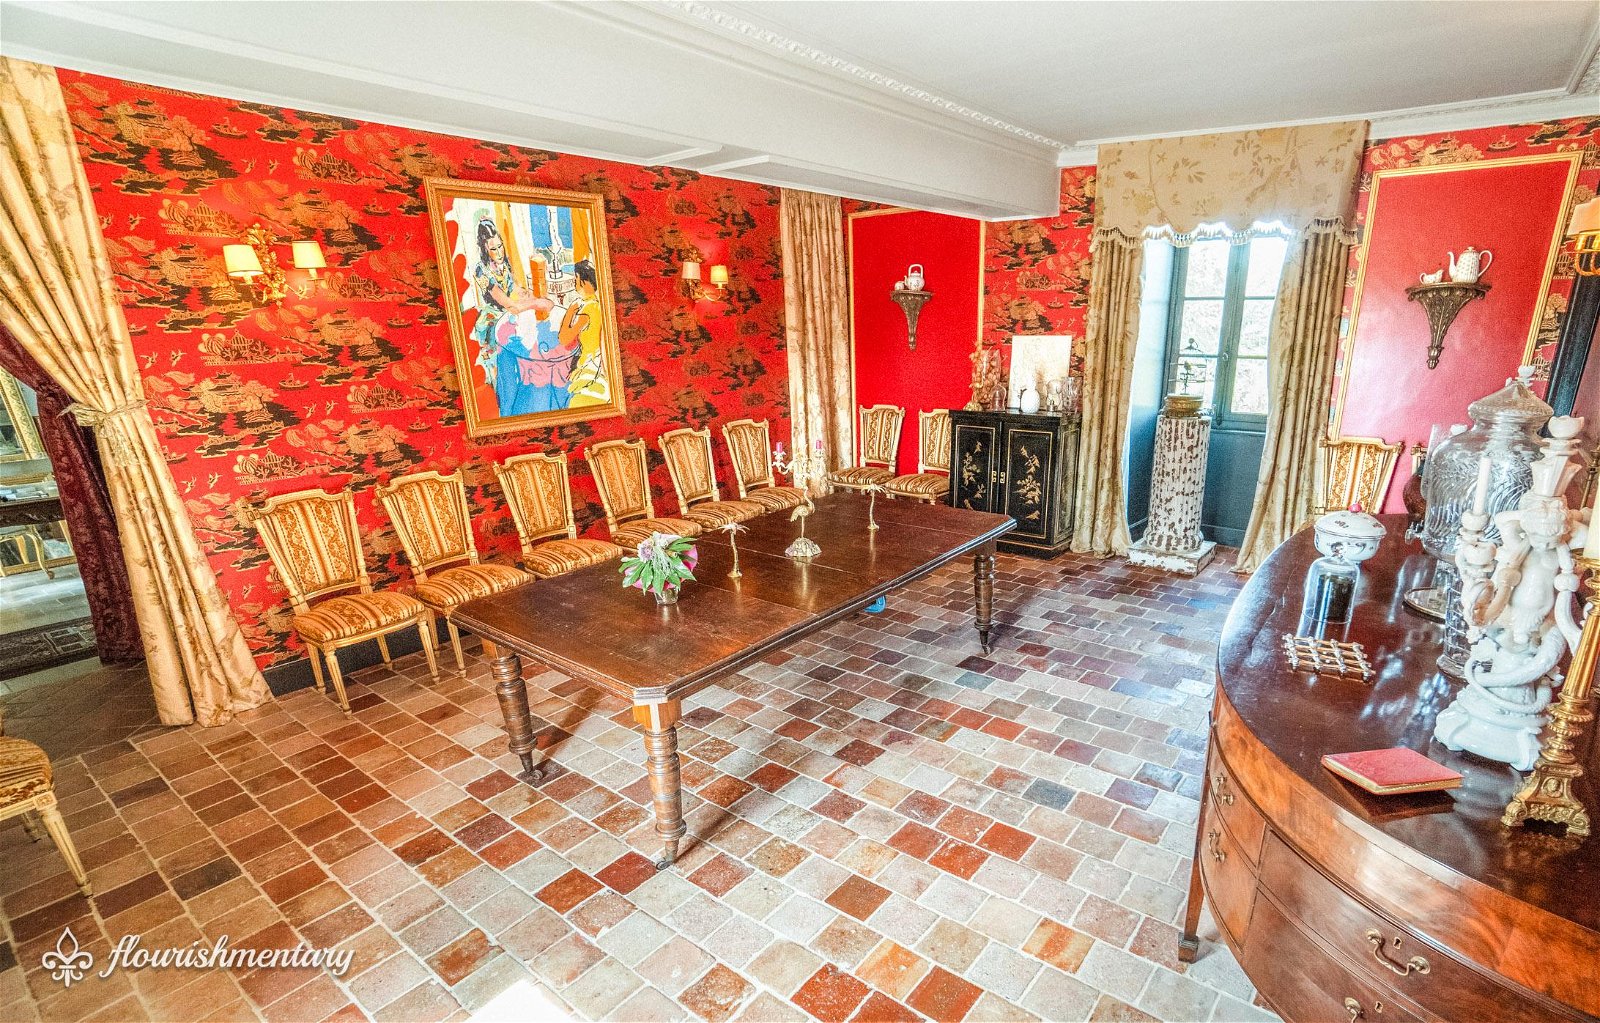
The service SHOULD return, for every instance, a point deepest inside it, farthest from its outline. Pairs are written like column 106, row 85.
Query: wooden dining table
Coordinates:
column 618, row 640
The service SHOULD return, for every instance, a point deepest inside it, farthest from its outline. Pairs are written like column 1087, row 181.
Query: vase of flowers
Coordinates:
column 662, row 565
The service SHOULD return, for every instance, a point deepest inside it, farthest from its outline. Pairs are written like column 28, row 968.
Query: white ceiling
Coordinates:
column 960, row 106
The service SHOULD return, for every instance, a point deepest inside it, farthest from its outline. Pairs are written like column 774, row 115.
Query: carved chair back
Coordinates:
column 1356, row 470
column 694, row 475
column 429, row 512
column 536, row 491
column 622, row 475
column 933, row 441
column 880, row 434
column 312, row 539
column 750, row 445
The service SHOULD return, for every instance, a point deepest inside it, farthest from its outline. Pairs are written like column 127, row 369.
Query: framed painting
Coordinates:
column 527, row 287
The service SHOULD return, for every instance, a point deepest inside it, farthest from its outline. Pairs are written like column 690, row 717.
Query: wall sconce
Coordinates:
column 1584, row 230
column 253, row 262
column 690, row 275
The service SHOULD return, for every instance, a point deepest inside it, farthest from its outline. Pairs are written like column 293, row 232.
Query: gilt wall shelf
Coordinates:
column 1442, row 302
column 911, row 303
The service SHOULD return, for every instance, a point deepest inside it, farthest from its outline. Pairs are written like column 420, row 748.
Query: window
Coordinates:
column 1218, row 321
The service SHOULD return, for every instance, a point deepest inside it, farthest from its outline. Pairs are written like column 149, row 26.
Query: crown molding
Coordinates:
column 764, row 38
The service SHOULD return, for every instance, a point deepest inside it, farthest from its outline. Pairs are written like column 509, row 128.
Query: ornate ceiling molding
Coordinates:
column 798, row 50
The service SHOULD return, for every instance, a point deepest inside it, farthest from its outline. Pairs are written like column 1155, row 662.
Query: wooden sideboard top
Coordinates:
column 1298, row 717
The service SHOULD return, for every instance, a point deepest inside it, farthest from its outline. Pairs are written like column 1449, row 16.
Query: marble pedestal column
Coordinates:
column 1172, row 540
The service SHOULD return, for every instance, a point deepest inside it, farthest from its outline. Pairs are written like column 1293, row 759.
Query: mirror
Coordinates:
column 19, row 434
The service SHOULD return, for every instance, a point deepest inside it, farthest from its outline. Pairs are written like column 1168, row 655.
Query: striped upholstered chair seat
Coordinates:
column 357, row 614
column 715, row 514
column 447, row 590
column 630, row 535
column 858, row 477
column 920, row 486
column 24, row 770
column 777, row 498
column 558, row 557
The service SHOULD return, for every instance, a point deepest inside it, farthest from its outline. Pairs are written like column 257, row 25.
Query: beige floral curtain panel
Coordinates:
column 1300, row 176
column 57, row 297
column 815, row 290
column 1112, row 333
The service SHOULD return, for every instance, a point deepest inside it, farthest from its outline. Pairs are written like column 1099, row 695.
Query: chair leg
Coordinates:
column 29, row 828
column 383, row 648
column 337, row 678
column 425, row 629
column 57, row 828
column 316, row 668
column 455, row 644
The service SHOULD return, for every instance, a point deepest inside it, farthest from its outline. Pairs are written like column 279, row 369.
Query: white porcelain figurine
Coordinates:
column 1518, row 601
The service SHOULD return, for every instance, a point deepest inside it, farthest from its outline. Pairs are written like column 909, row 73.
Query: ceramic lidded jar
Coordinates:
column 1348, row 536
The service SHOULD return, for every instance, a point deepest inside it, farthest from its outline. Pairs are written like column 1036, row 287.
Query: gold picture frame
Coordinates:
column 20, row 420
column 526, row 277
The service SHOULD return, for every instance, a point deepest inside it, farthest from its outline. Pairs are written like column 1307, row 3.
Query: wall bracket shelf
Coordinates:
column 911, row 303
column 1442, row 301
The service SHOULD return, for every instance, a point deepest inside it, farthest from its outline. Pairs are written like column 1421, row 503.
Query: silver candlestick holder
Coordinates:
column 802, row 468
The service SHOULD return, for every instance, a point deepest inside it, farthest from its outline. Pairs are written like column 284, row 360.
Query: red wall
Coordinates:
column 1513, row 211
column 348, row 385
column 938, row 373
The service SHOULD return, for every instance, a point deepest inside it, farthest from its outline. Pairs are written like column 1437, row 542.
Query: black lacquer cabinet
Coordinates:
column 1024, row 466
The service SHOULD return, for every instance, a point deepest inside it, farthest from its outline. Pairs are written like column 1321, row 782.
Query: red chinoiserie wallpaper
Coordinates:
column 1511, row 210
column 350, row 383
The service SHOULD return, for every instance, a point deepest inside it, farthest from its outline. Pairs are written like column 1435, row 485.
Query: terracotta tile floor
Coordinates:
column 884, row 825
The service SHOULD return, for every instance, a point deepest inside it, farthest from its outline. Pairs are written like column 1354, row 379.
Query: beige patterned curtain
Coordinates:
column 57, row 297
column 1301, row 347
column 1100, row 524
column 815, row 290
column 1301, row 176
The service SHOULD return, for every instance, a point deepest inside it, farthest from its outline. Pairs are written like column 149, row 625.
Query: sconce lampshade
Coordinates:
column 241, row 261
column 719, row 276
column 691, row 270
column 308, row 256
column 1585, row 218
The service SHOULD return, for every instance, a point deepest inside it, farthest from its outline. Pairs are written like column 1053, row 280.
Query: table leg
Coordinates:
column 983, row 590
column 660, row 724
column 512, row 693
column 1189, row 940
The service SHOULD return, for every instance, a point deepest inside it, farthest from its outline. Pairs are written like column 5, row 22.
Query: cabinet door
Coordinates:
column 974, row 466
column 1028, row 482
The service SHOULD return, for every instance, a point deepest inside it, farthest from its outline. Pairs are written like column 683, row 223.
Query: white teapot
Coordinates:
column 914, row 279
column 1470, row 265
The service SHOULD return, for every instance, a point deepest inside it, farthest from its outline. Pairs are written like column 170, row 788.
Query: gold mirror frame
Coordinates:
column 17, row 411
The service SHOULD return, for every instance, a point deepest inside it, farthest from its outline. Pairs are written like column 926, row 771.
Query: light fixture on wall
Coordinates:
column 253, row 262
column 1584, row 229
column 690, row 275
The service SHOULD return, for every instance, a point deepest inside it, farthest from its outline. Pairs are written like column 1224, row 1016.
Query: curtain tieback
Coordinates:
column 96, row 419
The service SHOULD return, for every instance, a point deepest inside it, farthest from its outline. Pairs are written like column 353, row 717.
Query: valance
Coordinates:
column 1302, row 177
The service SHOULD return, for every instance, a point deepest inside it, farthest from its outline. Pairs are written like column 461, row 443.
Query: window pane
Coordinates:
column 1250, row 387
column 1255, row 325
column 1196, row 376
column 1200, row 329
column 1208, row 269
column 1266, row 266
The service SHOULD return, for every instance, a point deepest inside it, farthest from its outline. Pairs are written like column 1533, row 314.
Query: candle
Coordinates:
column 818, row 447
column 1480, row 496
column 779, row 452
column 1591, row 547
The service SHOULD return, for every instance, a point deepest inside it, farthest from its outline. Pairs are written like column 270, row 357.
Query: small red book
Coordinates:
column 1390, row 772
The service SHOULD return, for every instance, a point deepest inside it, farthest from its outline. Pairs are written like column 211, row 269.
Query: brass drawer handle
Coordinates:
column 1223, row 795
column 1416, row 963
column 1354, row 1010
column 1213, row 836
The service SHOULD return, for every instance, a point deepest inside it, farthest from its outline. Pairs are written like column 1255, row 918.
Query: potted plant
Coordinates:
column 662, row 565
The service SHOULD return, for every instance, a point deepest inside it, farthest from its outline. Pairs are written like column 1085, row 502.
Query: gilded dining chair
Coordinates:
column 622, row 475
column 535, row 486
column 931, row 481
column 429, row 512
column 880, row 442
column 694, row 477
column 1356, row 471
column 315, row 546
column 750, row 445
column 27, row 787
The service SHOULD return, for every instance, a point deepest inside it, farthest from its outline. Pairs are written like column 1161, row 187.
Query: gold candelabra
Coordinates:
column 802, row 468
column 1548, row 795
